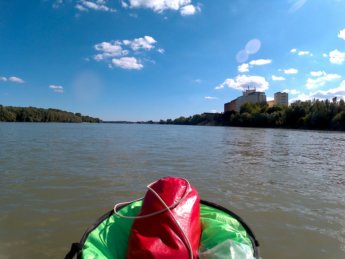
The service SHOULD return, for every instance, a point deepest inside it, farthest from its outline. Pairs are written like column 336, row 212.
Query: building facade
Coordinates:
column 281, row 98
column 231, row 106
column 249, row 96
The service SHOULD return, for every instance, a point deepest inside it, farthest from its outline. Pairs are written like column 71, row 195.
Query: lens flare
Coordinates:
column 242, row 56
column 253, row 46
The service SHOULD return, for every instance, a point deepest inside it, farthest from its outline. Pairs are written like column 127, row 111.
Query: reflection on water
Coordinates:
column 56, row 179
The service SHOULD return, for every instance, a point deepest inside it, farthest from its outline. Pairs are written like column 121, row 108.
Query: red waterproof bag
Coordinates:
column 168, row 225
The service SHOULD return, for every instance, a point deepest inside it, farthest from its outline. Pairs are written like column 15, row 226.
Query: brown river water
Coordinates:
column 57, row 179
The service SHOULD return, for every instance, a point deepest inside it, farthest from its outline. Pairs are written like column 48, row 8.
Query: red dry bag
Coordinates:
column 168, row 225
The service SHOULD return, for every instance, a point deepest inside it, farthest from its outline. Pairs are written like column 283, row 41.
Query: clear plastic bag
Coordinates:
column 228, row 249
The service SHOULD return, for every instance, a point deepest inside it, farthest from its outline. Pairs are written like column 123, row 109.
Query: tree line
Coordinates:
column 32, row 114
column 314, row 114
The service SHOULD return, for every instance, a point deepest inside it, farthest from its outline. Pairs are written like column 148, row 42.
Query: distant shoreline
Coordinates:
column 307, row 115
column 33, row 114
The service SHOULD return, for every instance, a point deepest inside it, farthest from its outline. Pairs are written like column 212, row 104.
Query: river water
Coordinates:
column 57, row 179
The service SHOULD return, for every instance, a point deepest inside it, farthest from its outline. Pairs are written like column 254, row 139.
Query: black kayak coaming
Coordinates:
column 107, row 237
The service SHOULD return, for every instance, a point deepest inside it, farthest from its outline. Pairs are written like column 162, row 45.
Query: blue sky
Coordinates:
column 159, row 59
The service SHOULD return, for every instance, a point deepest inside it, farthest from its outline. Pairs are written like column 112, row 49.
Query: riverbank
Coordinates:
column 313, row 115
column 33, row 114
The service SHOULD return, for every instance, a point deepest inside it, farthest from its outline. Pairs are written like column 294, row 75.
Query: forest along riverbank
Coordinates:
column 316, row 115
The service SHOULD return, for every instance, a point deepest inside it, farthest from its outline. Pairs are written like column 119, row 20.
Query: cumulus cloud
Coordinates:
column 109, row 50
column 337, row 57
column 96, row 5
column 301, row 97
column 290, row 71
column 304, row 53
column 319, row 94
column 301, row 52
column 56, row 88
column 278, row 78
column 331, row 93
column 320, row 79
column 210, row 98
column 15, row 79
column 127, row 63
column 146, row 43
column 260, row 62
column 243, row 68
column 291, row 91
column 323, row 94
column 189, row 10
column 184, row 6
column 317, row 73
column 118, row 51
column 242, row 82
column 341, row 34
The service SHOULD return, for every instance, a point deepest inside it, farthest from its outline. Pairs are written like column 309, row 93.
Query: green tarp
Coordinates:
column 109, row 239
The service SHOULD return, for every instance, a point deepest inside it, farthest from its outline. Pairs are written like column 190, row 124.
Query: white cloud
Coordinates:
column 56, row 88
column 322, row 94
column 184, row 6
column 127, row 63
column 198, row 81
column 2, row 78
column 331, row 93
column 321, row 80
column 115, row 48
column 15, row 79
column 243, row 68
column 301, row 97
column 341, row 34
column 96, row 5
column 119, row 50
column 325, row 55
column 221, row 86
column 189, row 10
column 304, row 53
column 242, row 82
column 301, row 52
column 109, row 50
column 278, row 78
column 291, row 91
column 210, row 98
column 290, row 71
column 260, row 62
column 147, row 43
column 317, row 73
column 81, row 8
column 337, row 57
